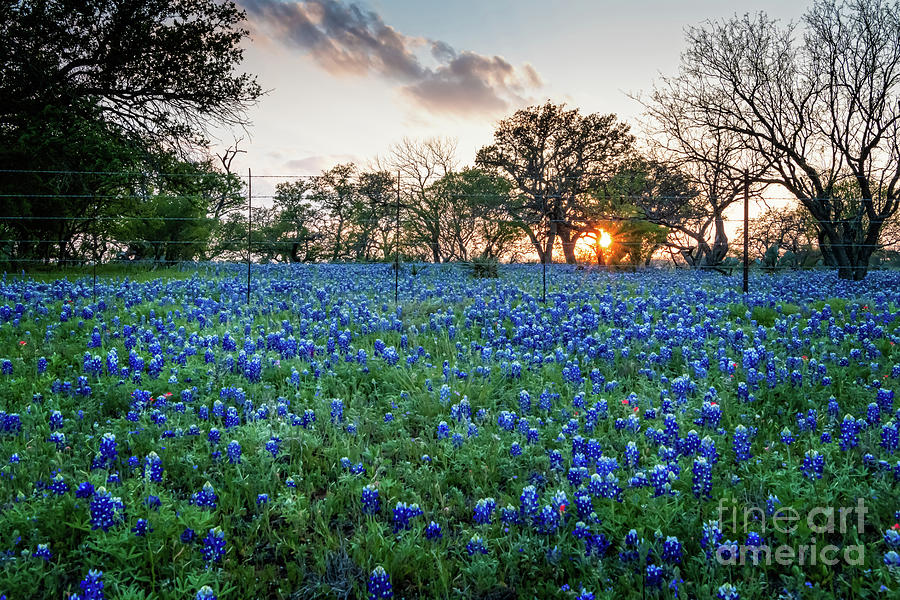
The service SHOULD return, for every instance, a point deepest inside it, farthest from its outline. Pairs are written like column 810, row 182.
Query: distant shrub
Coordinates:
column 483, row 267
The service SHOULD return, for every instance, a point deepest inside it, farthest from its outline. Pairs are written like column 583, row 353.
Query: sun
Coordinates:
column 604, row 240
column 591, row 246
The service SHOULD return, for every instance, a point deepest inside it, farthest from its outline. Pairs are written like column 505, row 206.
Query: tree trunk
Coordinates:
column 551, row 239
column 568, row 245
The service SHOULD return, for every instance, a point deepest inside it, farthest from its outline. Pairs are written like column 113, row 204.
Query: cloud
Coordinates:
column 345, row 39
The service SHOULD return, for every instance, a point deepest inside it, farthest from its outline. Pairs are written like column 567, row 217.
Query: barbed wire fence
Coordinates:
column 90, row 241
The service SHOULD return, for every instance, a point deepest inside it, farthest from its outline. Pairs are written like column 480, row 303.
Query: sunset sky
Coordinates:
column 348, row 79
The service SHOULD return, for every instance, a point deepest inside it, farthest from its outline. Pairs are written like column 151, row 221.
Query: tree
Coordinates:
column 291, row 230
column 791, row 229
column 553, row 157
column 714, row 160
column 64, row 215
column 819, row 110
column 334, row 194
column 373, row 216
column 419, row 164
column 474, row 220
column 161, row 71
column 637, row 206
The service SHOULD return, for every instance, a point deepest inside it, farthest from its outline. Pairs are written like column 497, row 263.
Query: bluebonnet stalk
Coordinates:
column 433, row 531
column 205, row 593
column 234, row 452
column 370, row 502
column 379, row 585
column 92, row 586
column 849, row 430
column 214, row 546
column 484, row 510
column 741, row 444
column 106, row 511
column 702, row 481
column 153, row 468
column 206, row 497
column 813, row 465
column 476, row 546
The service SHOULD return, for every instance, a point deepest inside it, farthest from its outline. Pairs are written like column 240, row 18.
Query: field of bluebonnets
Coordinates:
column 165, row 440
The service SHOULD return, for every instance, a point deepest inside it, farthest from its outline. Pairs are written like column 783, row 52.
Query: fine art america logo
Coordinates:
column 787, row 521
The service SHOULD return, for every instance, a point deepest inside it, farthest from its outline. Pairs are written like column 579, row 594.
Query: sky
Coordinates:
column 345, row 80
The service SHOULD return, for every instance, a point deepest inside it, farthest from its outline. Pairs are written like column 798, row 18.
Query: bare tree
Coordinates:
column 421, row 163
column 820, row 108
column 714, row 160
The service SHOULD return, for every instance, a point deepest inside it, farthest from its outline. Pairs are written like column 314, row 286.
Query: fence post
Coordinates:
column 746, row 231
column 249, row 228
column 397, row 245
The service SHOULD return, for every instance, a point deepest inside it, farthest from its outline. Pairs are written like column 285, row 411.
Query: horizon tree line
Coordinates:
column 112, row 168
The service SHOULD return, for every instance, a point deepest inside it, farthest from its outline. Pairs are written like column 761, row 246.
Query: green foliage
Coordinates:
column 483, row 267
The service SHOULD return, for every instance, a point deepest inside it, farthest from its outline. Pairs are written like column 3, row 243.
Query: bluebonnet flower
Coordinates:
column 741, row 444
column 787, row 437
column 108, row 448
column 403, row 513
column 727, row 592
column 712, row 536
column 672, row 550
column 214, row 546
column 234, row 452
column 515, row 449
column 262, row 499
column 889, row 437
column 702, row 481
column 370, row 502
column 205, row 593
column 708, row 450
column 106, row 511
column 892, row 539
column 187, row 536
column 85, row 490
column 153, row 502
column 476, row 545
column 337, row 410
column 433, row 531
column 379, row 585
column 892, row 560
column 584, row 595
column 771, row 501
column 92, row 586
column 56, row 420
column 813, row 465
column 274, row 446
column 206, row 497
column 58, row 485
column 232, row 419
column 654, row 576
column 43, row 551
column 443, row 430
column 141, row 527
column 849, row 430
column 153, row 467
column 484, row 510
